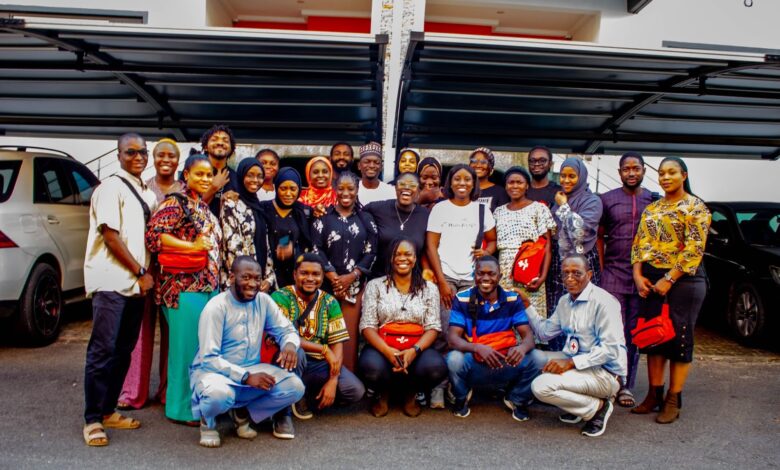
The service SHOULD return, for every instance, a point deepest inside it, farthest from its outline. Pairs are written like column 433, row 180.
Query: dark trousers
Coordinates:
column 317, row 371
column 427, row 371
column 116, row 322
column 629, row 308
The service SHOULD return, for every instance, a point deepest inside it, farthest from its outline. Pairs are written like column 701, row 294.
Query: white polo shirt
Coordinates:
column 115, row 206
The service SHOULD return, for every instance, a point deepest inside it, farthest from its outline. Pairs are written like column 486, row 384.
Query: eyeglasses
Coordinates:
column 134, row 152
column 576, row 275
column 538, row 162
column 479, row 161
column 407, row 185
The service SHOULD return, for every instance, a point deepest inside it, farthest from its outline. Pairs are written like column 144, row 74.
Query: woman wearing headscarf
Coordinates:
column 483, row 162
column 523, row 220
column 429, row 171
column 244, row 227
column 288, row 222
column 577, row 212
column 319, row 195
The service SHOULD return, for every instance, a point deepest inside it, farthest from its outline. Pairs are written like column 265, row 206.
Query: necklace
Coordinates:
column 398, row 214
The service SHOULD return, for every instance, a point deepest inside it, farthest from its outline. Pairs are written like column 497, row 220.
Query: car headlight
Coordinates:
column 775, row 272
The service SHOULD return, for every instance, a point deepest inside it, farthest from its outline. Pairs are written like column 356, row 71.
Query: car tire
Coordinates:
column 746, row 314
column 40, row 308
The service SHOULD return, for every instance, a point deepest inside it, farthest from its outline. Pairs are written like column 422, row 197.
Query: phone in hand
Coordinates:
column 284, row 241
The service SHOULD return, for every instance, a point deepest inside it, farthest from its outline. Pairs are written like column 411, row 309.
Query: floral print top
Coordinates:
column 346, row 243
column 170, row 219
column 672, row 235
column 238, row 239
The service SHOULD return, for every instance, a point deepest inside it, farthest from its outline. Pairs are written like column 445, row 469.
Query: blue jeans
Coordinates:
column 466, row 373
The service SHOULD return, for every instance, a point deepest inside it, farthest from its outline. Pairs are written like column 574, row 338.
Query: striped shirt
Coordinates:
column 501, row 316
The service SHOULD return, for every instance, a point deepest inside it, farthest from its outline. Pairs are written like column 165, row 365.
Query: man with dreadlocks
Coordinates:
column 317, row 316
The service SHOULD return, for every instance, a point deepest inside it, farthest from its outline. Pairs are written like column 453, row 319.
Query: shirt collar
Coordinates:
column 584, row 295
column 132, row 178
column 501, row 299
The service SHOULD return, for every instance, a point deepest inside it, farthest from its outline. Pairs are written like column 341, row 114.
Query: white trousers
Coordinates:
column 578, row 392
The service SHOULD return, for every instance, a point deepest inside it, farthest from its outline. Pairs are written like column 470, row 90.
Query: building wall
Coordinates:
column 162, row 13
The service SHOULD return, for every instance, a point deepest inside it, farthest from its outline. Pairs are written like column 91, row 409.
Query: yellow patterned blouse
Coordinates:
column 672, row 235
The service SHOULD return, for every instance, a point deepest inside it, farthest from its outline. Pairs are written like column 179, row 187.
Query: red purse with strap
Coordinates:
column 528, row 261
column 401, row 335
column 655, row 331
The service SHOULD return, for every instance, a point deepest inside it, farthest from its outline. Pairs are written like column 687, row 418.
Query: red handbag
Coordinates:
column 401, row 335
column 268, row 349
column 528, row 261
column 178, row 262
column 655, row 331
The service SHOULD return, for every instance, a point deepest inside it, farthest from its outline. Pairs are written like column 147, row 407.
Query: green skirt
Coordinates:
column 182, row 346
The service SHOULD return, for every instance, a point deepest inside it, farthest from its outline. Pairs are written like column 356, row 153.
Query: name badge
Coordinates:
column 572, row 346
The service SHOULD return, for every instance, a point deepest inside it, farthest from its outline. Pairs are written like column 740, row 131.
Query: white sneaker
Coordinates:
column 437, row 398
column 243, row 428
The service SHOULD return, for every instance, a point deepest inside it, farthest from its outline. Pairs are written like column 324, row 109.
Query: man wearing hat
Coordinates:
column 370, row 166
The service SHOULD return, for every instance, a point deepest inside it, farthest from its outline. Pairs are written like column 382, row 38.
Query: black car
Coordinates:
column 742, row 260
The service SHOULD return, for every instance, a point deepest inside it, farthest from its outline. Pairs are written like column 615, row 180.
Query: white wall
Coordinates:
column 162, row 13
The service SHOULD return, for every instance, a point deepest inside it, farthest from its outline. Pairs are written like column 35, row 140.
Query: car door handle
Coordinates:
column 52, row 220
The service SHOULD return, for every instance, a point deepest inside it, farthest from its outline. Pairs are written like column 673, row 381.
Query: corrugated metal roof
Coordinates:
column 99, row 81
column 464, row 92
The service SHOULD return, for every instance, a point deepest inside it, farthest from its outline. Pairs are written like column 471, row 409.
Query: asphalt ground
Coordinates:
column 730, row 419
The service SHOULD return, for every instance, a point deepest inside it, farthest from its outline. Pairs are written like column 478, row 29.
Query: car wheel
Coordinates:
column 40, row 309
column 747, row 317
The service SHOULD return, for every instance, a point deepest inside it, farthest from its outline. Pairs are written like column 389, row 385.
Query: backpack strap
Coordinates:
column 472, row 310
column 144, row 205
column 481, row 231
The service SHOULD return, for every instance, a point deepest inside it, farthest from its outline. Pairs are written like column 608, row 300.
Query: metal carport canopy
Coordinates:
column 96, row 81
column 507, row 93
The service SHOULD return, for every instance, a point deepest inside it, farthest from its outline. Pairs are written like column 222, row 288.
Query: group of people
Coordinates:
column 278, row 297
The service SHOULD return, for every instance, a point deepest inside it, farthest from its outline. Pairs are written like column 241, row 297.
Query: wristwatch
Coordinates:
column 141, row 272
column 417, row 349
column 669, row 278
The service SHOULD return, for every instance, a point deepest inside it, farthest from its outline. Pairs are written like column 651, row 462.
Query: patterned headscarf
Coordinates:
column 488, row 154
column 312, row 196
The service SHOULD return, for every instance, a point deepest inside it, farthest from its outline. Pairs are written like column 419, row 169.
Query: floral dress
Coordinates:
column 346, row 243
column 513, row 227
column 170, row 219
column 238, row 239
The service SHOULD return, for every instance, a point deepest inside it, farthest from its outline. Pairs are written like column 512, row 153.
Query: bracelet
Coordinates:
column 325, row 350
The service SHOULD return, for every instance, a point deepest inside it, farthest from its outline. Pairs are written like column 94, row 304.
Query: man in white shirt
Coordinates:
column 370, row 166
column 115, row 278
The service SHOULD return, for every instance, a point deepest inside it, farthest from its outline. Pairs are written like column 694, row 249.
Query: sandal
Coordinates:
column 625, row 398
column 95, row 435
column 123, row 406
column 117, row 421
column 209, row 437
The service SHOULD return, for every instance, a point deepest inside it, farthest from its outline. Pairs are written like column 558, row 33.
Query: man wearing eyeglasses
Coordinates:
column 370, row 166
column 584, row 378
column 540, row 162
column 116, row 279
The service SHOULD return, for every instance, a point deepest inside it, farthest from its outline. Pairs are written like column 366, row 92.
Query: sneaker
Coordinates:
column 519, row 412
column 283, row 427
column 209, row 437
column 301, row 410
column 461, row 408
column 437, row 398
column 243, row 428
column 569, row 418
column 598, row 424
column 422, row 400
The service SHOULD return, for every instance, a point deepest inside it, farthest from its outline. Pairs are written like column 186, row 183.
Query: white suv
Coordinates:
column 44, row 221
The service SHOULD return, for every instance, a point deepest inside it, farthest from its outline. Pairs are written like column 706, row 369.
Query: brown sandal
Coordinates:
column 95, row 435
column 117, row 421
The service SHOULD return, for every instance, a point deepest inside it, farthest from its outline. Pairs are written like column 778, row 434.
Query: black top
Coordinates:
column 493, row 197
column 545, row 195
column 295, row 226
column 345, row 243
column 388, row 222
column 231, row 185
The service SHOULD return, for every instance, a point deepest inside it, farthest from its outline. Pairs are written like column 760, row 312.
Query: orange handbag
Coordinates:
column 528, row 261
column 401, row 335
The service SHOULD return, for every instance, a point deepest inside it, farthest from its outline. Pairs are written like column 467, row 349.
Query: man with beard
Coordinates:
column 584, row 377
column 341, row 156
column 370, row 166
column 227, row 375
column 540, row 162
column 219, row 144
column 484, row 322
column 623, row 209
column 317, row 316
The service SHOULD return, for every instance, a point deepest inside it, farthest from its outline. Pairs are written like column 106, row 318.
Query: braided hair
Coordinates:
column 418, row 282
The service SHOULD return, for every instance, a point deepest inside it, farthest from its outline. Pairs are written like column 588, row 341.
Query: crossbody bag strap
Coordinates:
column 144, row 205
column 481, row 231
column 302, row 318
